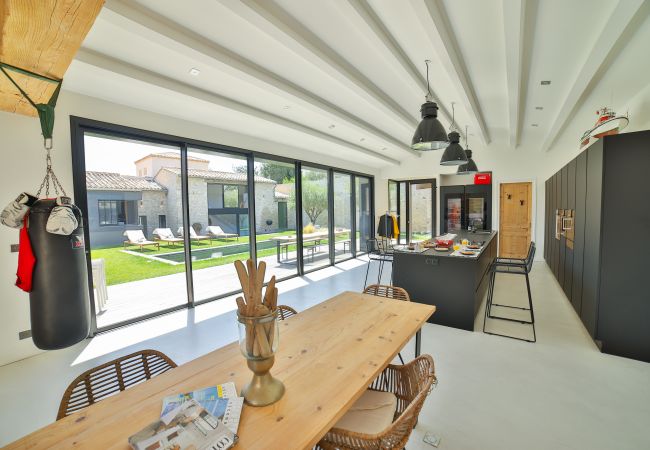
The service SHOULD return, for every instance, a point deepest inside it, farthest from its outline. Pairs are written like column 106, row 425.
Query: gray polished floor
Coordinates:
column 494, row 393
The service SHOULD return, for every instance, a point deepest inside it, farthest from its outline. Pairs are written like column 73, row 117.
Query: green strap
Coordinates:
column 45, row 110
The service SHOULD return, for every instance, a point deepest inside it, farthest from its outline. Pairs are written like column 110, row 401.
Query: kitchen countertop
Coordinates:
column 485, row 237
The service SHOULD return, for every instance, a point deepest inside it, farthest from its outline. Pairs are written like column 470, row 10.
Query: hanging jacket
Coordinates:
column 395, row 227
column 386, row 226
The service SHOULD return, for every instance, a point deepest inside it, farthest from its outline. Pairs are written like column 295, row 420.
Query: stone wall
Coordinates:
column 152, row 205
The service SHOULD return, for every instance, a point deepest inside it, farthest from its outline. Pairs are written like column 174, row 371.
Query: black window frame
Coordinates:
column 79, row 126
column 116, row 223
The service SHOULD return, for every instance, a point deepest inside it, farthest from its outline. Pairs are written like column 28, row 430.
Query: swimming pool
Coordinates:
column 214, row 252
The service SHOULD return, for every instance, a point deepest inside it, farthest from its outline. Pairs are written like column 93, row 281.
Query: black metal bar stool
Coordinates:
column 378, row 251
column 514, row 266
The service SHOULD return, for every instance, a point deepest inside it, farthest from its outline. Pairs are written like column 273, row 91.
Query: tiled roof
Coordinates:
column 171, row 155
column 111, row 181
column 217, row 175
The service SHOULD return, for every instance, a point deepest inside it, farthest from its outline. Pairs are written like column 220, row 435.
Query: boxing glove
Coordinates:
column 13, row 215
column 62, row 219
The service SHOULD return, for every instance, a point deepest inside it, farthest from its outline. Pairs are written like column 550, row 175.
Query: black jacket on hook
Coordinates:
column 386, row 226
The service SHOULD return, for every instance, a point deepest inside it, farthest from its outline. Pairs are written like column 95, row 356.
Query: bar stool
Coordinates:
column 514, row 266
column 378, row 251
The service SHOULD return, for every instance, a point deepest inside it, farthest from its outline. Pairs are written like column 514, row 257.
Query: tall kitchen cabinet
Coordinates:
column 597, row 243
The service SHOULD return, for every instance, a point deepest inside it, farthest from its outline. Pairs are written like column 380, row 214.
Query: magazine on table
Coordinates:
column 186, row 427
column 220, row 401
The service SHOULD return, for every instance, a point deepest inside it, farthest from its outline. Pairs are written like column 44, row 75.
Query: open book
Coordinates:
column 188, row 426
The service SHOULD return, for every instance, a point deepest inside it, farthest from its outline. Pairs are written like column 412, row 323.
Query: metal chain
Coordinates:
column 49, row 174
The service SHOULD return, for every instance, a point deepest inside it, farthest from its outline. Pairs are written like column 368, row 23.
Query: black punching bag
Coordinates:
column 59, row 301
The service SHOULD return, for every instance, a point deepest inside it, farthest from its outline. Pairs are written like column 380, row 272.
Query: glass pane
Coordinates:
column 421, row 211
column 392, row 197
column 275, row 217
column 363, row 213
column 315, row 218
column 454, row 206
column 132, row 273
column 401, row 215
column 476, row 212
column 342, row 216
column 219, row 228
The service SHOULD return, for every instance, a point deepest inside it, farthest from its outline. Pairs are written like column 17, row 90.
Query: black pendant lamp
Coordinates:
column 469, row 168
column 454, row 154
column 430, row 134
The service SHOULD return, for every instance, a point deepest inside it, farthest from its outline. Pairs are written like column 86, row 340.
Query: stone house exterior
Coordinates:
column 117, row 203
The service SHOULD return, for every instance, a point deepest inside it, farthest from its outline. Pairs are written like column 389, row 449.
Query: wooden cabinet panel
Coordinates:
column 591, row 266
column 579, row 224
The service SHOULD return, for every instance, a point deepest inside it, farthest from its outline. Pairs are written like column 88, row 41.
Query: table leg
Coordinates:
column 279, row 250
column 418, row 342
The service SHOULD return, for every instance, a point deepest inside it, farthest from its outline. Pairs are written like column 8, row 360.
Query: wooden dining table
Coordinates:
column 327, row 357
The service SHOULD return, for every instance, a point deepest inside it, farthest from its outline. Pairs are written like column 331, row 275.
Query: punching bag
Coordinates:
column 59, row 301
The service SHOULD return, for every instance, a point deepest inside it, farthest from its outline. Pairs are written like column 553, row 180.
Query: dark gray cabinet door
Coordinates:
column 579, row 223
column 591, row 271
column 563, row 205
column 570, row 204
column 556, row 206
column 547, row 222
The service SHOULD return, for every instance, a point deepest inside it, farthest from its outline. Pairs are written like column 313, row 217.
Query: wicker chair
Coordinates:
column 411, row 383
column 394, row 292
column 284, row 312
column 112, row 377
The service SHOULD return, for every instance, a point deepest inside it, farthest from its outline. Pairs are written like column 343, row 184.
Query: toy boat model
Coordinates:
column 608, row 123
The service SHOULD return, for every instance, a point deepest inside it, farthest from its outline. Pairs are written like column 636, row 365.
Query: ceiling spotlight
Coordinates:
column 539, row 108
column 546, row 82
column 286, row 107
column 362, row 139
column 194, row 71
column 430, row 134
column 534, row 124
column 331, row 127
column 384, row 148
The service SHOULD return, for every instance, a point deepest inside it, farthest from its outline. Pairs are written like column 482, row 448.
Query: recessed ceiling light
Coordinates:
column 539, row 108
column 362, row 139
column 331, row 127
column 546, row 82
column 286, row 107
column 384, row 148
column 534, row 125
column 194, row 71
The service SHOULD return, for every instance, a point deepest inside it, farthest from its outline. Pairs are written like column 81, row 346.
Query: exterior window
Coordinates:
column 235, row 196
column 162, row 221
column 117, row 212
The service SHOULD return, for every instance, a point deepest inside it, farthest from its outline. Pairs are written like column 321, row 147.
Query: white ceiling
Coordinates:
column 287, row 70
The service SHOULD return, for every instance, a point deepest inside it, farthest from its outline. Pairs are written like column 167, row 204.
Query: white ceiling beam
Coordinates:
column 436, row 24
column 156, row 28
column 365, row 12
column 270, row 18
column 124, row 69
column 627, row 15
column 514, row 19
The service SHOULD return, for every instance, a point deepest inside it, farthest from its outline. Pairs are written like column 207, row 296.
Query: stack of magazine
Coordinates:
column 204, row 419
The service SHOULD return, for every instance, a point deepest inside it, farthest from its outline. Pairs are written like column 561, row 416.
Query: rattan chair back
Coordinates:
column 111, row 378
column 382, row 290
column 411, row 383
column 284, row 312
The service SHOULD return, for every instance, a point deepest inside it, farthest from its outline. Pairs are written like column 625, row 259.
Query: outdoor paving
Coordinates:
column 138, row 298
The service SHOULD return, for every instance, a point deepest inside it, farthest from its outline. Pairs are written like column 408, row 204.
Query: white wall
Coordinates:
column 23, row 167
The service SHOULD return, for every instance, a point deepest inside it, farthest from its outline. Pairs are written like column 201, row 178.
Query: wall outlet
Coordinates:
column 13, row 248
column 24, row 334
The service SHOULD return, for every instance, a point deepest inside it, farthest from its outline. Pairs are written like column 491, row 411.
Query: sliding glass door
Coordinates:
column 342, row 216
column 413, row 203
column 315, row 218
column 275, row 217
column 131, row 193
column 363, row 212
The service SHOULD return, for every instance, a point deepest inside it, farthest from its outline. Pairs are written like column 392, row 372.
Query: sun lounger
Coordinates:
column 166, row 235
column 136, row 237
column 217, row 233
column 193, row 235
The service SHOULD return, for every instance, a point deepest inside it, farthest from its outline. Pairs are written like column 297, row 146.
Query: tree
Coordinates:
column 314, row 199
column 276, row 172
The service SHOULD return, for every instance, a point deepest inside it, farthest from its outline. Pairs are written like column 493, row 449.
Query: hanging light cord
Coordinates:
column 466, row 138
column 426, row 61
column 453, row 117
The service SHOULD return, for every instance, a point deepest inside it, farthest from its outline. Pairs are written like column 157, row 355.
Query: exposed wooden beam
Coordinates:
column 365, row 12
column 40, row 36
column 514, row 20
column 156, row 28
column 626, row 17
column 124, row 69
column 436, row 24
column 267, row 16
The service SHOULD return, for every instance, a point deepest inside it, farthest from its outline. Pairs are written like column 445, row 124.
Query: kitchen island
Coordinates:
column 456, row 285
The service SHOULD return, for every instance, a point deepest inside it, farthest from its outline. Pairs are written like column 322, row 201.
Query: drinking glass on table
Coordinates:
column 456, row 246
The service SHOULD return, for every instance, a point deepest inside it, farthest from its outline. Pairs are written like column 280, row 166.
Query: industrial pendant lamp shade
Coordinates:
column 470, row 167
column 430, row 134
column 454, row 154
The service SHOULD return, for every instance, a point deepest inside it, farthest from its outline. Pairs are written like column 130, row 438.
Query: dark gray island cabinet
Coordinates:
column 455, row 285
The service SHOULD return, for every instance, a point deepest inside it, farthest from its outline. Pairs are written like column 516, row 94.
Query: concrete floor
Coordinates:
column 493, row 392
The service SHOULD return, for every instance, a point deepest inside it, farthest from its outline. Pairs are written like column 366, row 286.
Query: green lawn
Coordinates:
column 123, row 267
